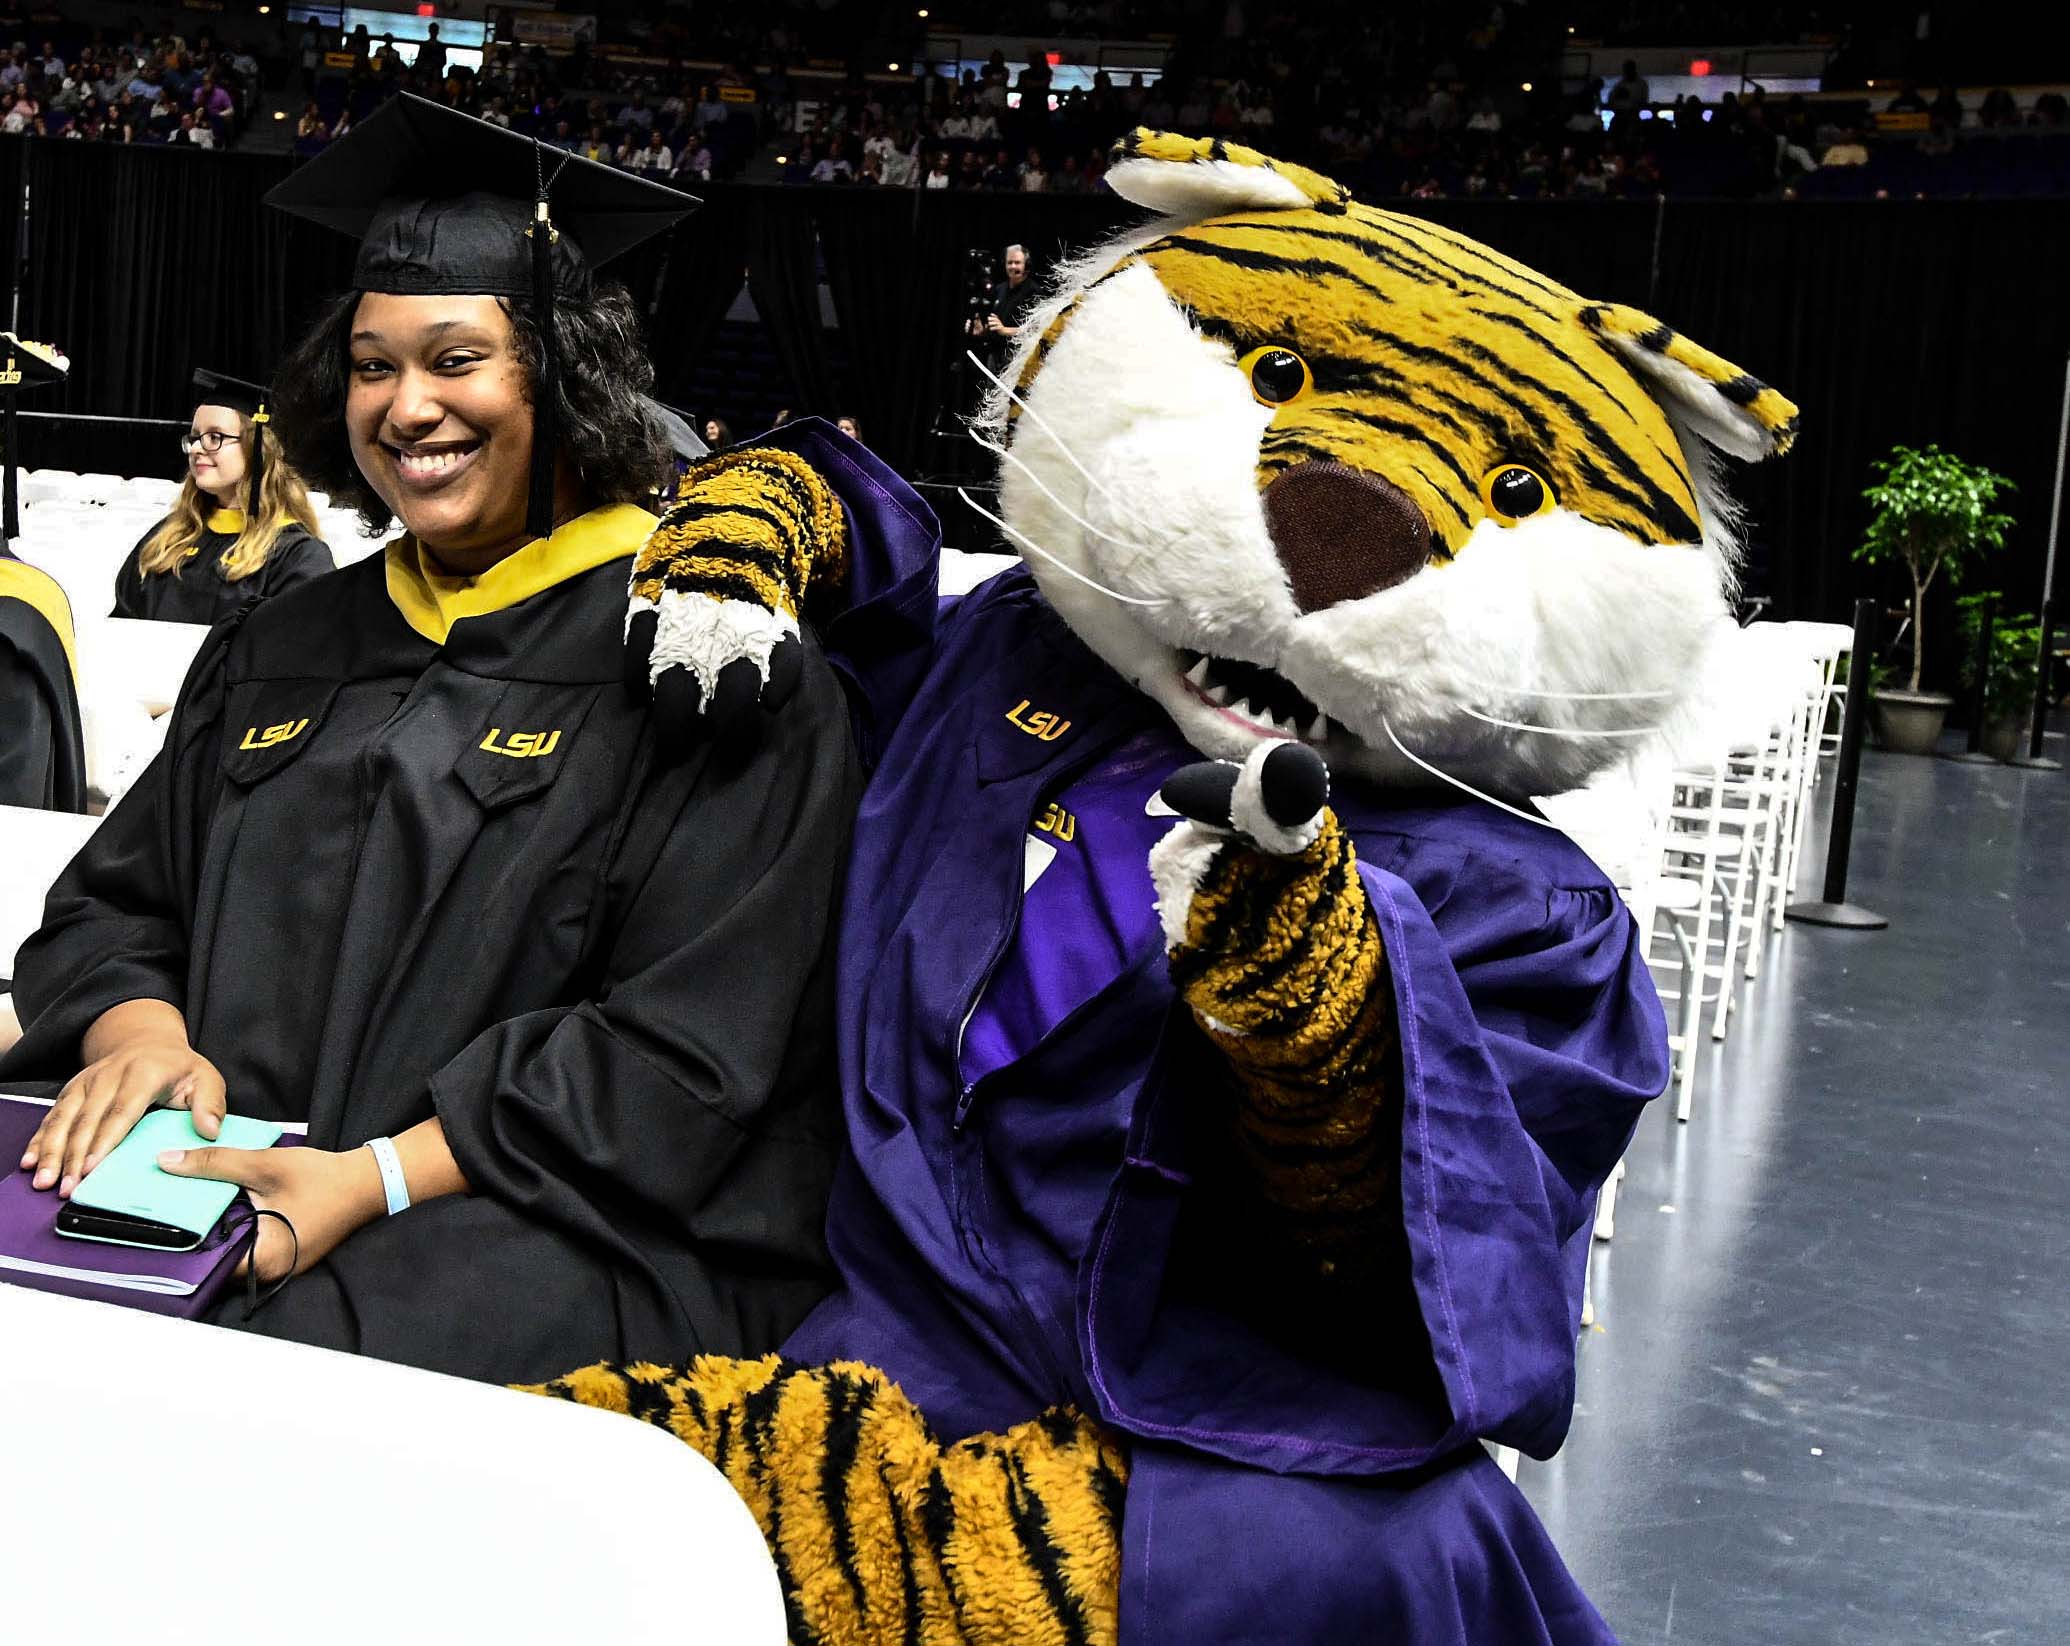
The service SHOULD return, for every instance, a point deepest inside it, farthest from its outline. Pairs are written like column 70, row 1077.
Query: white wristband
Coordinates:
column 393, row 1184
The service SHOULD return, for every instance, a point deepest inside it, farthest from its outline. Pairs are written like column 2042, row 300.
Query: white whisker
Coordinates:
column 1070, row 456
column 1559, row 731
column 1068, row 570
column 1035, row 480
column 1568, row 697
column 1467, row 788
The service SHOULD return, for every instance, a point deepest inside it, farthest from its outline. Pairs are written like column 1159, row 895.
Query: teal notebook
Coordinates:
column 131, row 1183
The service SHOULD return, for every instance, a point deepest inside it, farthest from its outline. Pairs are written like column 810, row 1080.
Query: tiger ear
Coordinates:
column 1198, row 177
column 1736, row 412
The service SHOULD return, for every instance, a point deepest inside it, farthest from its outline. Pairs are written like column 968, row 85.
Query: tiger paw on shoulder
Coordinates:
column 718, row 589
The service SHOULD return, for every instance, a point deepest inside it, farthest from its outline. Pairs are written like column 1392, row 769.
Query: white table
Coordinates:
column 324, row 1498
column 35, row 846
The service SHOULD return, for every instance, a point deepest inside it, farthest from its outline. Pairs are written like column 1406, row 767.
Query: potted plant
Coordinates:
column 1935, row 513
column 2015, row 673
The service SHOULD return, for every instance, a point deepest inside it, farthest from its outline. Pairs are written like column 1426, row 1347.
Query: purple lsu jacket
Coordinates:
column 1056, row 1223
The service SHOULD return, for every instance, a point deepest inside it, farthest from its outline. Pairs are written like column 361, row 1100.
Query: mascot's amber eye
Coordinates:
column 1512, row 493
column 1276, row 375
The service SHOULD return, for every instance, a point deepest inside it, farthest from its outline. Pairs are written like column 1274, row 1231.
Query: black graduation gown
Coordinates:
column 197, row 591
column 386, row 880
column 42, row 749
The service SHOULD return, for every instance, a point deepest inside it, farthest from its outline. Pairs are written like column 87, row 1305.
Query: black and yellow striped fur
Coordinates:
column 883, row 1536
column 758, row 526
column 1284, row 969
column 1434, row 358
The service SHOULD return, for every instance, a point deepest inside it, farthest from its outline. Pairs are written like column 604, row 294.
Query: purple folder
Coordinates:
column 34, row 1254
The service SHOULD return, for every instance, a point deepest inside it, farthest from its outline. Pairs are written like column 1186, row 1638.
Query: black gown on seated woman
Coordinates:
column 42, row 754
column 196, row 591
column 387, row 878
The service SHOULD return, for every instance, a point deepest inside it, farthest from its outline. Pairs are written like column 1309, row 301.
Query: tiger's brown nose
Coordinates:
column 1343, row 534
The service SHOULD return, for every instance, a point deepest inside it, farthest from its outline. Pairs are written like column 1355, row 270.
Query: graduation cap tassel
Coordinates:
column 545, row 433
column 258, row 465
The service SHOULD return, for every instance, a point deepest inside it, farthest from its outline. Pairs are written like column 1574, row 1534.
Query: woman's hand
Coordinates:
column 137, row 1059
column 325, row 1196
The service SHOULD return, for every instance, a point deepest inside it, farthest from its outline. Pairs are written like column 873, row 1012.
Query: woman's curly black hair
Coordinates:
column 619, row 451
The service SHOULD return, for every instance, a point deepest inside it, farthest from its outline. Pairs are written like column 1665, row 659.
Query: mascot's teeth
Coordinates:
column 1318, row 729
column 1217, row 695
column 1198, row 674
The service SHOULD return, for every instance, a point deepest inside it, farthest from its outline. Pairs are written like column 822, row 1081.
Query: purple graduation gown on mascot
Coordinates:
column 1048, row 1232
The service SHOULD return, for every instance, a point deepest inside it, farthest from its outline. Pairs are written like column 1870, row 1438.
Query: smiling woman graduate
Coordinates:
column 557, row 1011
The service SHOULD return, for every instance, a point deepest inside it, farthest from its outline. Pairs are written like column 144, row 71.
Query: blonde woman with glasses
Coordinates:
column 243, row 527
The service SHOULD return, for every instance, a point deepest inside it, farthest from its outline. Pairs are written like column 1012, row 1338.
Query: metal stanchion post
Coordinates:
column 1987, row 632
column 1834, row 909
column 2034, row 759
column 2039, row 730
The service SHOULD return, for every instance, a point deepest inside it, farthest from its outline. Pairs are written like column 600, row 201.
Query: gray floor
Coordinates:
column 1827, row 1394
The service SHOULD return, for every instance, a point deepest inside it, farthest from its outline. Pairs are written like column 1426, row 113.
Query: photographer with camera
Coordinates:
column 998, row 309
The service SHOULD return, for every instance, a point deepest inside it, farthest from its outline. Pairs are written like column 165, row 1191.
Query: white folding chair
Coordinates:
column 1825, row 645
column 40, row 488
column 1758, row 780
column 97, row 488
column 143, row 492
column 1695, row 846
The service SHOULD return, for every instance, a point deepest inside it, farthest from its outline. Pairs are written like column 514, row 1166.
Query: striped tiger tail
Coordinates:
column 881, row 1534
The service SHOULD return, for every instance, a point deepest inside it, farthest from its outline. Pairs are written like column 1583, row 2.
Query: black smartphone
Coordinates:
column 123, row 1229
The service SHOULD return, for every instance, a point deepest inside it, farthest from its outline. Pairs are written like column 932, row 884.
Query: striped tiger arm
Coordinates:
column 882, row 1535
column 712, row 625
column 1274, row 945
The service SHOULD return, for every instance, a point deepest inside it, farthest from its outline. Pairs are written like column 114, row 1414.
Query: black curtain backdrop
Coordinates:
column 687, row 283
column 867, row 239
column 1913, row 322
column 896, row 265
column 1886, row 320
column 783, row 279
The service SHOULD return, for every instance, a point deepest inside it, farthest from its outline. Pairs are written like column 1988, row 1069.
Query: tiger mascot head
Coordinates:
column 1297, row 467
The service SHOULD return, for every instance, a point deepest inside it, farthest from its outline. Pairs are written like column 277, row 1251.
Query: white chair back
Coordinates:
column 35, row 846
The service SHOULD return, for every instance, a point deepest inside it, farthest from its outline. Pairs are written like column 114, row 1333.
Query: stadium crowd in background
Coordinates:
column 1441, row 134
column 676, row 128
column 1447, row 101
column 143, row 88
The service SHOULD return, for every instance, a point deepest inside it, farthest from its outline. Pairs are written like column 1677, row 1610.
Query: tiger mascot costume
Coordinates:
column 1223, row 1136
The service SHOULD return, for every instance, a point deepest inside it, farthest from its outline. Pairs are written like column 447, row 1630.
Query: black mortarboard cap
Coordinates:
column 250, row 400
column 679, row 431
column 28, row 366
column 444, row 203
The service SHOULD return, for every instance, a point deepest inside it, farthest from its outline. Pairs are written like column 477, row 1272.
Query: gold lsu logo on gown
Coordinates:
column 285, row 732
column 1038, row 723
column 520, row 745
column 1055, row 820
